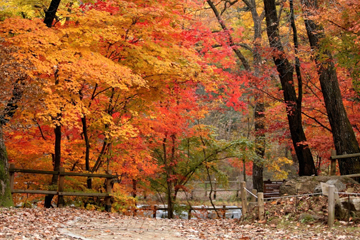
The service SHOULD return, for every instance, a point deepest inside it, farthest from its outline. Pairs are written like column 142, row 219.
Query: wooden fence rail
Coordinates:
column 60, row 188
column 335, row 157
column 109, row 178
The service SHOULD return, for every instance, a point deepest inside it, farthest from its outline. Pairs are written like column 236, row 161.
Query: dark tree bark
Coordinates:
column 56, row 164
column 343, row 134
column 48, row 20
column 87, row 151
column 259, row 113
column 258, row 165
column 5, row 191
column 7, row 114
column 51, row 12
column 293, row 104
column 56, row 155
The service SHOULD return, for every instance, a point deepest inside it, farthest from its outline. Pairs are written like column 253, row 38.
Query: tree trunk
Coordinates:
column 170, row 207
column 56, row 165
column 51, row 12
column 5, row 191
column 87, row 151
column 8, row 113
column 258, row 165
column 293, row 106
column 343, row 134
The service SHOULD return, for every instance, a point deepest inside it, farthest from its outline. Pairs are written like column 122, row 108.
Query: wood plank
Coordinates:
column 34, row 191
column 33, row 171
column 63, row 174
column 88, row 175
column 83, row 194
column 351, row 175
column 345, row 156
column 61, row 193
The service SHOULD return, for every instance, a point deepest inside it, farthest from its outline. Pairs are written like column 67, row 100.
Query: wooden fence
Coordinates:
column 335, row 157
column 240, row 189
column 216, row 189
column 271, row 188
column 60, row 188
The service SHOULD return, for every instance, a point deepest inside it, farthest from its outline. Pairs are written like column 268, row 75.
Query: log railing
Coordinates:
column 60, row 188
column 333, row 159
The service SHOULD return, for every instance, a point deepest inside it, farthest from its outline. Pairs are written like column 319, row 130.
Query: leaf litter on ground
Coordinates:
column 71, row 223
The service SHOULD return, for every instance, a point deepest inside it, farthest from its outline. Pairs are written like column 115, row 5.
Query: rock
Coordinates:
column 356, row 202
column 347, row 205
column 308, row 184
column 353, row 204
column 339, row 185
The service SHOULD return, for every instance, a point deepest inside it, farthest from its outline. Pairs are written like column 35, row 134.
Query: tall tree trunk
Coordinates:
column 258, row 165
column 8, row 113
column 87, row 151
column 56, row 165
column 5, row 191
column 343, row 133
column 293, row 105
column 259, row 114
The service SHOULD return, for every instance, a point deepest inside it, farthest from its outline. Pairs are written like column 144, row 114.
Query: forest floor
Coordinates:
column 303, row 218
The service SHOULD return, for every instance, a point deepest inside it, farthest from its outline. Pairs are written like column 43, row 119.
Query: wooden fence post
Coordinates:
column 154, row 212
column 205, row 189
column 60, row 202
column 331, row 205
column 253, row 198
column 333, row 163
column 261, row 205
column 12, row 176
column 243, row 198
column 224, row 211
column 108, row 191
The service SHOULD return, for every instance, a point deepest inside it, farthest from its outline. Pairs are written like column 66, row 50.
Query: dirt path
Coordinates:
column 122, row 228
column 68, row 223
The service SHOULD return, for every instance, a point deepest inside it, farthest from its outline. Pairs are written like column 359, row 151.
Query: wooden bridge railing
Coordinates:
column 60, row 188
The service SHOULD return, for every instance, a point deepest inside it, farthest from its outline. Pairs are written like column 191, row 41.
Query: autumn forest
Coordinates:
column 161, row 93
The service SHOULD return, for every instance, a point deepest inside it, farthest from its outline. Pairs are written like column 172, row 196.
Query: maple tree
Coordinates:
column 12, row 75
column 259, row 105
column 106, row 82
column 343, row 134
column 260, row 72
column 132, row 87
column 293, row 103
